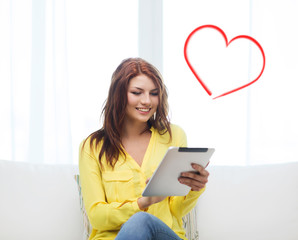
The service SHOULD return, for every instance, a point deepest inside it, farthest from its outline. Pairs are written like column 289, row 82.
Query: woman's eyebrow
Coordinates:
column 155, row 89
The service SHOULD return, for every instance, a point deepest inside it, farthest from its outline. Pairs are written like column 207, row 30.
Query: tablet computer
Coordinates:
column 164, row 181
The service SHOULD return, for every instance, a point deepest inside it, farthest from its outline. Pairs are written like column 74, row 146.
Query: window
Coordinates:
column 255, row 125
column 57, row 58
column 105, row 33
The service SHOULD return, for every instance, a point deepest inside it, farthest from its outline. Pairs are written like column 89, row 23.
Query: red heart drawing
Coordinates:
column 227, row 44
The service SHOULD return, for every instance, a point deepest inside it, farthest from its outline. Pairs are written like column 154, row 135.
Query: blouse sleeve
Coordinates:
column 102, row 215
column 181, row 205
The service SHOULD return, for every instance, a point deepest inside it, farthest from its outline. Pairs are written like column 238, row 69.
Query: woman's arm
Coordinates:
column 145, row 202
column 180, row 206
column 102, row 215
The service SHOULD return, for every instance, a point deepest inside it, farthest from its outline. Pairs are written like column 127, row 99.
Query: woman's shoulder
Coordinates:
column 178, row 136
column 176, row 129
column 90, row 145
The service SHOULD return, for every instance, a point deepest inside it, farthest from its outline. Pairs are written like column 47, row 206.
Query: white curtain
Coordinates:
column 56, row 62
column 35, row 116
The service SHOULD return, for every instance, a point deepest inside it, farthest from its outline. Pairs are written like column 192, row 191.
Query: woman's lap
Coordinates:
column 144, row 226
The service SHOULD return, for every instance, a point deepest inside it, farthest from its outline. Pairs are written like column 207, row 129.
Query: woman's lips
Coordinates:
column 144, row 110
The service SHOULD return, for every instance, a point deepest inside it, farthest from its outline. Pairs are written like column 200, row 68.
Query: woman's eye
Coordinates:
column 154, row 94
column 136, row 93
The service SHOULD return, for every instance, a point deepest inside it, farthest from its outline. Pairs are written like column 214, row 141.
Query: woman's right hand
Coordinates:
column 145, row 202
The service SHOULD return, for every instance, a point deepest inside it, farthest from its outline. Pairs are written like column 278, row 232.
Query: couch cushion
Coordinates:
column 39, row 202
column 256, row 202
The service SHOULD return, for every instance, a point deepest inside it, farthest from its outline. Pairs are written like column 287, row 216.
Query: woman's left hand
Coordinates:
column 196, row 179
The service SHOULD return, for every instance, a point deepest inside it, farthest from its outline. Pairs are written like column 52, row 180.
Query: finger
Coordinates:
column 193, row 184
column 195, row 176
column 200, row 169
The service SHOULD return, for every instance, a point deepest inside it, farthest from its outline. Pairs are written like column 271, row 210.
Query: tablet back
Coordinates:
column 164, row 181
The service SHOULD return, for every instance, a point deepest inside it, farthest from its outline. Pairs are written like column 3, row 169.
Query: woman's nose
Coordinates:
column 146, row 99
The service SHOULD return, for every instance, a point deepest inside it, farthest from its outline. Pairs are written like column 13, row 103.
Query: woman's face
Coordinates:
column 142, row 99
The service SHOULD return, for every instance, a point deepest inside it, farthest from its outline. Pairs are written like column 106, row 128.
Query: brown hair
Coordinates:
column 114, row 109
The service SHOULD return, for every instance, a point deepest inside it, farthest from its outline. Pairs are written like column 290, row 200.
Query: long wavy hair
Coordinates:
column 115, row 106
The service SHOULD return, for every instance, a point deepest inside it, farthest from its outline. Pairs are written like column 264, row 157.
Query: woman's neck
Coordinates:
column 131, row 130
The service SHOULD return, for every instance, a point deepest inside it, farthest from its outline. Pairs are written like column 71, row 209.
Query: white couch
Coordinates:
column 260, row 202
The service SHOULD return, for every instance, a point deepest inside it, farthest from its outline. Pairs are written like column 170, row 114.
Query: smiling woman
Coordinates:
column 134, row 86
column 142, row 99
column 117, row 160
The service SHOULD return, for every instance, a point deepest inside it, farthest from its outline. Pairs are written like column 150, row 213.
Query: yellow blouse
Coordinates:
column 110, row 196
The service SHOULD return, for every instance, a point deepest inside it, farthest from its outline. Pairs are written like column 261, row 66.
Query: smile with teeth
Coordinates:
column 143, row 109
